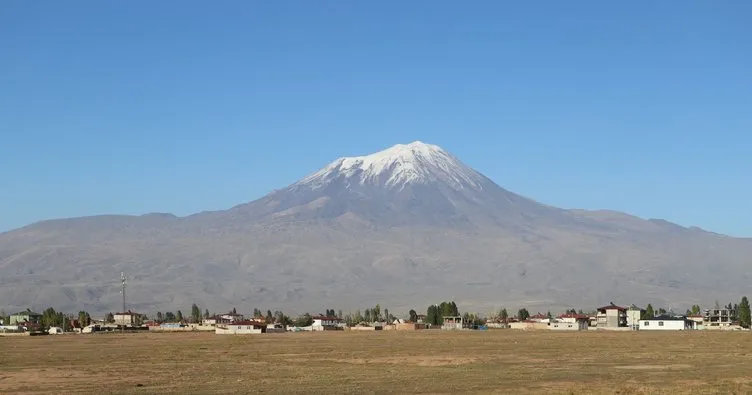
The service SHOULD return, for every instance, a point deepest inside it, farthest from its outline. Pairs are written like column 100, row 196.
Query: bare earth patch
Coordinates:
column 479, row 362
column 428, row 360
column 653, row 367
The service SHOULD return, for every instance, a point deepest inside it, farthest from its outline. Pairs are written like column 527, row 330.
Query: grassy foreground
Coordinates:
column 503, row 361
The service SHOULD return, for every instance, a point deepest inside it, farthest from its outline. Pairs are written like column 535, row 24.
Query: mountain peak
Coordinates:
column 398, row 166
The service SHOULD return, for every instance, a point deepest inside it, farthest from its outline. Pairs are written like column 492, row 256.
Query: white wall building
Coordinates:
column 666, row 323
column 323, row 323
column 569, row 322
column 126, row 319
column 240, row 328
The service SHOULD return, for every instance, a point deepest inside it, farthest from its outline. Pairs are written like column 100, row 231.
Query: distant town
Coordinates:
column 442, row 316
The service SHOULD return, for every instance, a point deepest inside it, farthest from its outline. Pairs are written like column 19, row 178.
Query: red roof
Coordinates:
column 539, row 316
column 575, row 316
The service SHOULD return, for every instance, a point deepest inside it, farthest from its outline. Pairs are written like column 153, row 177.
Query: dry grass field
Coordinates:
column 380, row 362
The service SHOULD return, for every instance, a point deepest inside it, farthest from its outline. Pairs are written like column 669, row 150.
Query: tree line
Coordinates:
column 434, row 315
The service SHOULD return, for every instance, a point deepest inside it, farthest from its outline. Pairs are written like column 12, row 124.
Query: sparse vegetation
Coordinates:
column 380, row 362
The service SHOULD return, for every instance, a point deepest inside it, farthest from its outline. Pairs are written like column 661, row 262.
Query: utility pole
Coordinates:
column 122, row 291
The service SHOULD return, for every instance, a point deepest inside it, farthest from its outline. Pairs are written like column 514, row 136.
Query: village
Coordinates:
column 610, row 317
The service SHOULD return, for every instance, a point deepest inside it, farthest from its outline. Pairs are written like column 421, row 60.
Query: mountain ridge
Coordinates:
column 407, row 230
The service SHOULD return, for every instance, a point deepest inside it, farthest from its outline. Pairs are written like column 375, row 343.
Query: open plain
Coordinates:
column 502, row 361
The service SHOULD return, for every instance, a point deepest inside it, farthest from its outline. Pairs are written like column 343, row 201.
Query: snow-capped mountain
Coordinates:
column 404, row 227
column 415, row 183
column 399, row 166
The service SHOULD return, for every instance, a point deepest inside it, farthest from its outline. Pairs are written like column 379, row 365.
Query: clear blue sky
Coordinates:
column 182, row 106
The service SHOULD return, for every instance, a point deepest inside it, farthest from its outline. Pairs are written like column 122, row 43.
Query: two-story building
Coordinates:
column 128, row 318
column 611, row 316
column 718, row 318
column 25, row 317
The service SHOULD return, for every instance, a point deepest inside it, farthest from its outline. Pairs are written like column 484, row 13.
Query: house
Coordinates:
column 611, row 316
column 634, row 314
column 569, row 322
column 326, row 323
column 698, row 319
column 27, row 316
column 127, row 318
column 667, row 322
column 229, row 318
column 452, row 323
column 715, row 318
column 539, row 318
column 245, row 327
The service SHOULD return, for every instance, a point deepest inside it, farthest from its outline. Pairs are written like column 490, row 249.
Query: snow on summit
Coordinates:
column 397, row 166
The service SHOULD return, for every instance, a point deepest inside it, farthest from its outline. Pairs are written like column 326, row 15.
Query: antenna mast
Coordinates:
column 122, row 291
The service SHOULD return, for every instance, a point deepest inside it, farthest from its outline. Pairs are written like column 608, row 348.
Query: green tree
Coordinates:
column 523, row 314
column 413, row 316
column 169, row 317
column 339, row 314
column 649, row 313
column 269, row 316
column 358, row 318
column 304, row 320
column 504, row 315
column 432, row 315
column 549, row 316
column 109, row 318
column 696, row 309
column 206, row 314
column 386, row 316
column 4, row 318
column 195, row 314
column 662, row 311
column 368, row 317
column 160, row 317
column 84, row 319
column 745, row 317
column 179, row 316
column 234, row 311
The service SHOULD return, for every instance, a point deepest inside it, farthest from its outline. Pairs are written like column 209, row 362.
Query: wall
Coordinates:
column 568, row 326
column 654, row 325
column 528, row 325
column 238, row 330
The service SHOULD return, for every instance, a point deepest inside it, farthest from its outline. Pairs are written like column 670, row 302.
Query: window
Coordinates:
column 660, row 323
column 647, row 323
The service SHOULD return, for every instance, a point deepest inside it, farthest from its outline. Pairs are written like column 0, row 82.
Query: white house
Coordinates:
column 667, row 323
column 240, row 328
column 127, row 318
column 570, row 322
column 322, row 323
